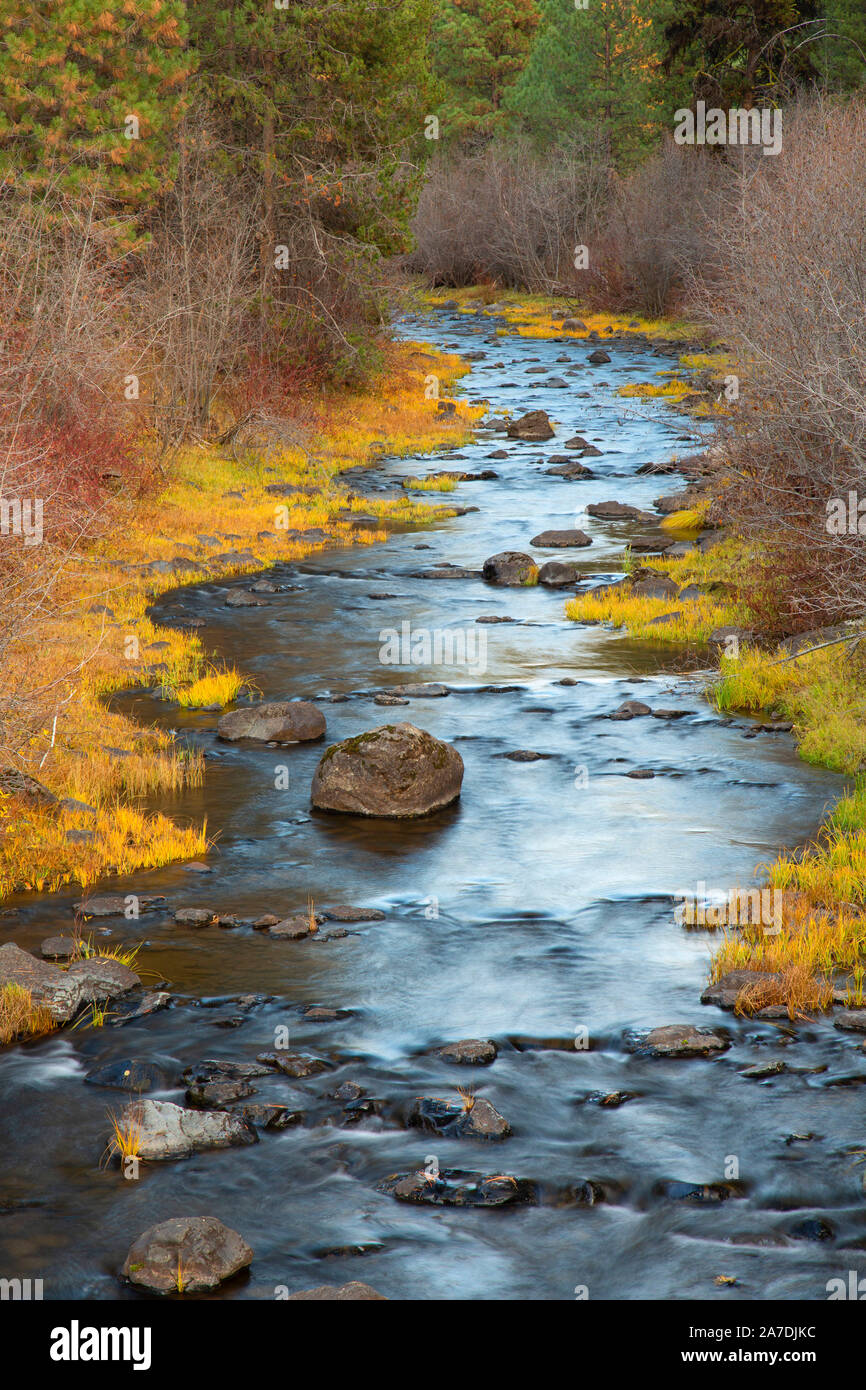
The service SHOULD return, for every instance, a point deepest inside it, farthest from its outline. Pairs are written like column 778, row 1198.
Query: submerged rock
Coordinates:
column 114, row 905
column 354, row 914
column 397, row 772
column 281, row 721
column 703, row 1194
column 127, row 1075
column 187, row 1254
column 617, row 511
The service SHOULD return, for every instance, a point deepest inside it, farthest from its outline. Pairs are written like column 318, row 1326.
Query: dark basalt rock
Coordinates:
column 630, row 709
column 294, row 1064
column 397, row 772
column 128, row 1075
column 701, row 1194
column 453, row 1119
column 561, row 540
column 534, row 427
column 217, row 1095
column 455, row 1188
column 470, row 1052
column 511, row 568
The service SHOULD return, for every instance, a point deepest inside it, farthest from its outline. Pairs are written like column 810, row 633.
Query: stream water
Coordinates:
column 537, row 906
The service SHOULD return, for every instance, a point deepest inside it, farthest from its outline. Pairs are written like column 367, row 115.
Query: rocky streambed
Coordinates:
column 441, row 1036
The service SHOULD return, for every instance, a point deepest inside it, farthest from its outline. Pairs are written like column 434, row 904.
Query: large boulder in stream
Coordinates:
column 281, row 721
column 397, row 771
column 510, row 568
column 534, row 427
column 63, row 992
column 187, row 1254
column 163, row 1131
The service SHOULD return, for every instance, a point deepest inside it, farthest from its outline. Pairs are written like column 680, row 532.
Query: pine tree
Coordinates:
column 89, row 95
column 593, row 69
column 740, row 52
column 325, row 102
column 480, row 47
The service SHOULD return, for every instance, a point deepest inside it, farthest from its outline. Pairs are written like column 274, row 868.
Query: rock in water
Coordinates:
column 283, row 721
column 339, row 1293
column 187, row 1254
column 534, row 427
column 165, row 1131
column 63, row 992
column 561, row 540
column 397, row 771
column 510, row 567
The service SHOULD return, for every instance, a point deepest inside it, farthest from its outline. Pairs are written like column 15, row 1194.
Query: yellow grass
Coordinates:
column 98, row 756
column 125, row 1138
column 216, row 688
column 431, row 484
column 673, row 389
column 20, row 1017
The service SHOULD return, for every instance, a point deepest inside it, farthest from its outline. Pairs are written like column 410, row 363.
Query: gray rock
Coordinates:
column 59, row 948
column 851, row 1020
column 684, row 1040
column 64, row 992
column 398, row 772
column 167, row 1131
column 282, row 721
column 470, row 1052
column 114, row 905
column 187, row 1254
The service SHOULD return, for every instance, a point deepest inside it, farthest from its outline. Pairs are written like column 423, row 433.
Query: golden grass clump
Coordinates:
column 82, row 655
column 21, row 1017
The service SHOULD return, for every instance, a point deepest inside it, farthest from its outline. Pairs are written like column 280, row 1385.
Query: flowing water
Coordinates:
column 538, row 906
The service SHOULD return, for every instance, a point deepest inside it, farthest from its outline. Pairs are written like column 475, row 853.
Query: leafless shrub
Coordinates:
column 790, row 254
column 63, row 422
column 509, row 214
column 656, row 229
